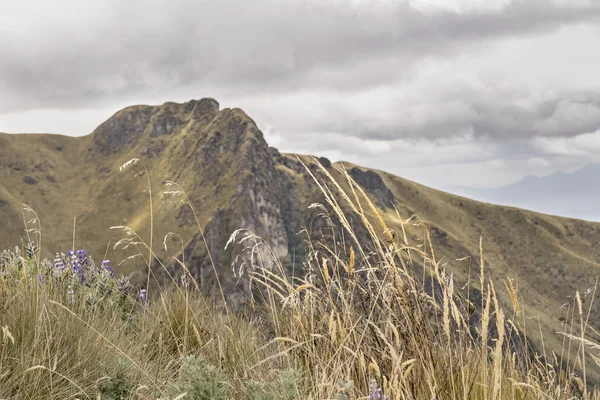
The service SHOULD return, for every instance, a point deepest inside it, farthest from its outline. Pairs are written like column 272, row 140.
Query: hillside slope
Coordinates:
column 235, row 180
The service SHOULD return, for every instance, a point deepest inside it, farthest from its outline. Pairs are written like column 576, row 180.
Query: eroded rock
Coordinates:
column 371, row 182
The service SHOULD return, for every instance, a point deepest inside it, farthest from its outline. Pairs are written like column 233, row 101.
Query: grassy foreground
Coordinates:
column 359, row 323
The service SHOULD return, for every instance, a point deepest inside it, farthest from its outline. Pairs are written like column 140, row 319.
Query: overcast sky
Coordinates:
column 446, row 92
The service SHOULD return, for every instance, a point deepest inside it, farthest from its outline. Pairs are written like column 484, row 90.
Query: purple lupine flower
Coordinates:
column 72, row 257
column 144, row 297
column 59, row 265
column 107, row 267
column 77, row 269
column 75, row 266
column 376, row 395
column 375, row 392
column 82, row 257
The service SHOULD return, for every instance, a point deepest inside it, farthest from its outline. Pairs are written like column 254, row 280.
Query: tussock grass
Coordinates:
column 370, row 315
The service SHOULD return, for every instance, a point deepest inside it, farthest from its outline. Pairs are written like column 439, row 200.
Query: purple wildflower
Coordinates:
column 77, row 269
column 375, row 392
column 107, row 267
column 144, row 297
column 59, row 265
column 82, row 257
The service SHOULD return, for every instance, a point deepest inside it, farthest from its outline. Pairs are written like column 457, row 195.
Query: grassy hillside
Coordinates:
column 233, row 180
column 357, row 323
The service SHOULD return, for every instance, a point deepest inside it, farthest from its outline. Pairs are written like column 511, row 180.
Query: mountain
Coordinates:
column 235, row 180
column 574, row 195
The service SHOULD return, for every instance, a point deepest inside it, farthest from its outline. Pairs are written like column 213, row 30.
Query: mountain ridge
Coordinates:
column 234, row 180
column 572, row 195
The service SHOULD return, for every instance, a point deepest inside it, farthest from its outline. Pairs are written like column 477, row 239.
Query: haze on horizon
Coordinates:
column 447, row 93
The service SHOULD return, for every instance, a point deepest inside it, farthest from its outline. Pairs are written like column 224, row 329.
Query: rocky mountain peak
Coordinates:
column 122, row 129
column 129, row 125
column 206, row 105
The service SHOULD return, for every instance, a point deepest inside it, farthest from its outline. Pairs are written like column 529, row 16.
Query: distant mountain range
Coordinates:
column 573, row 195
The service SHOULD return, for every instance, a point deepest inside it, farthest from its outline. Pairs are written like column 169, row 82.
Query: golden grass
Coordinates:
column 360, row 318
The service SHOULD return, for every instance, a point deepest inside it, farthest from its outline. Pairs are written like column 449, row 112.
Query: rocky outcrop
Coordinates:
column 226, row 155
column 122, row 129
column 29, row 180
column 437, row 235
column 324, row 162
column 204, row 109
column 371, row 182
column 164, row 125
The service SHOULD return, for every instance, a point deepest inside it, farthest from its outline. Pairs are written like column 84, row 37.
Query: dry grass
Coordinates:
column 371, row 314
column 369, row 317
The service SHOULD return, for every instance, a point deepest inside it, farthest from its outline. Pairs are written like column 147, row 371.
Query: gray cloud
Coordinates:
column 436, row 107
column 75, row 53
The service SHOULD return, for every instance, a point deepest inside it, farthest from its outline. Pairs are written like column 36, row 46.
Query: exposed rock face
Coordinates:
column 437, row 234
column 325, row 162
column 123, row 129
column 372, row 183
column 164, row 125
column 126, row 127
column 225, row 157
column 205, row 108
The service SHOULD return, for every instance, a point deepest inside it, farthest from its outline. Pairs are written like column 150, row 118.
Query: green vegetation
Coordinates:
column 370, row 316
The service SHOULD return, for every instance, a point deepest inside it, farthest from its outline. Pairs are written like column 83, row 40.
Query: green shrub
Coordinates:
column 120, row 385
column 256, row 390
column 283, row 387
column 200, row 380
